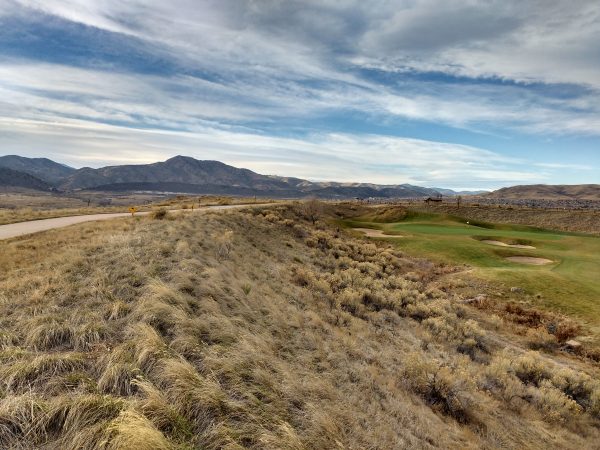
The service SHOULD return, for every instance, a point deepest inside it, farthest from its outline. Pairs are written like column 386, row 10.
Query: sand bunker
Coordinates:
column 529, row 260
column 376, row 233
column 504, row 244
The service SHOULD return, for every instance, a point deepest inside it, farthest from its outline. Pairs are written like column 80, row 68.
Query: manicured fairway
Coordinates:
column 571, row 284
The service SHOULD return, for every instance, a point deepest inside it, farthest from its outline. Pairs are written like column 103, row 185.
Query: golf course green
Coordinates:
column 565, row 279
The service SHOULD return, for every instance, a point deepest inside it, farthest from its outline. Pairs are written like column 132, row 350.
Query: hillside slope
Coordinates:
column 13, row 178
column 257, row 329
column 546, row 191
column 42, row 168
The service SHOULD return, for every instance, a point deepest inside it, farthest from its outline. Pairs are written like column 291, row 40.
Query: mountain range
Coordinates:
column 184, row 174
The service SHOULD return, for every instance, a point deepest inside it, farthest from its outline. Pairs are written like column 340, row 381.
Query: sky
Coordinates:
column 462, row 94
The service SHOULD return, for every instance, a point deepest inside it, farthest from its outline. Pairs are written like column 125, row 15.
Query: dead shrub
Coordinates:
column 566, row 329
column 540, row 339
column 440, row 385
column 530, row 317
column 159, row 214
column 312, row 210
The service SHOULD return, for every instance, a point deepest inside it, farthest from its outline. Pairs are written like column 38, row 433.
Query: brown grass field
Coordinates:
column 270, row 328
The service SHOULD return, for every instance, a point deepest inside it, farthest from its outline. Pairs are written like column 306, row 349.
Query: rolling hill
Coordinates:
column 547, row 191
column 43, row 168
column 13, row 178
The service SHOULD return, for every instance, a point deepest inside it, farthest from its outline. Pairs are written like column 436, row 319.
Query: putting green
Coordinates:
column 570, row 283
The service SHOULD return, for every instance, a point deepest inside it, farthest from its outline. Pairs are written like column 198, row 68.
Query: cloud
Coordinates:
column 182, row 101
column 271, row 59
column 186, row 73
column 457, row 36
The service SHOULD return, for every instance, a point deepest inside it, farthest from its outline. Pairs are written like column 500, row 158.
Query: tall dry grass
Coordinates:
column 260, row 329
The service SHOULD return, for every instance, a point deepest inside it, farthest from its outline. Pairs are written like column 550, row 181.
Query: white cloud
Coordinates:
column 544, row 40
column 299, row 61
column 34, row 90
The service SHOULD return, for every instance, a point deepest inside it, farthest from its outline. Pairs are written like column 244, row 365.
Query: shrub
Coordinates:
column 440, row 385
column 554, row 404
column 530, row 368
column 301, row 276
column 540, row 339
column 497, row 379
column 272, row 217
column 224, row 243
column 580, row 387
column 159, row 214
column 566, row 329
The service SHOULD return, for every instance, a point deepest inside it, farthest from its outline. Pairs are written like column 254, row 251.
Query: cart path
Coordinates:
column 35, row 226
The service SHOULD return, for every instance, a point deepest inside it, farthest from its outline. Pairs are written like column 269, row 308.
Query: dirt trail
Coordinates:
column 370, row 232
column 35, row 226
column 504, row 244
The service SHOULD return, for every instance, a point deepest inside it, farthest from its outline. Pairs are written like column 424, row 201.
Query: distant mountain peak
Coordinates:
column 181, row 158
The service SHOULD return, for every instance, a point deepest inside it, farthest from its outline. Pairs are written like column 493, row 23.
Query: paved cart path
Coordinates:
column 35, row 226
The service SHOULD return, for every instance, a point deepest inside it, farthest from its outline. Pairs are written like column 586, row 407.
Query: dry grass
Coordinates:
column 260, row 329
